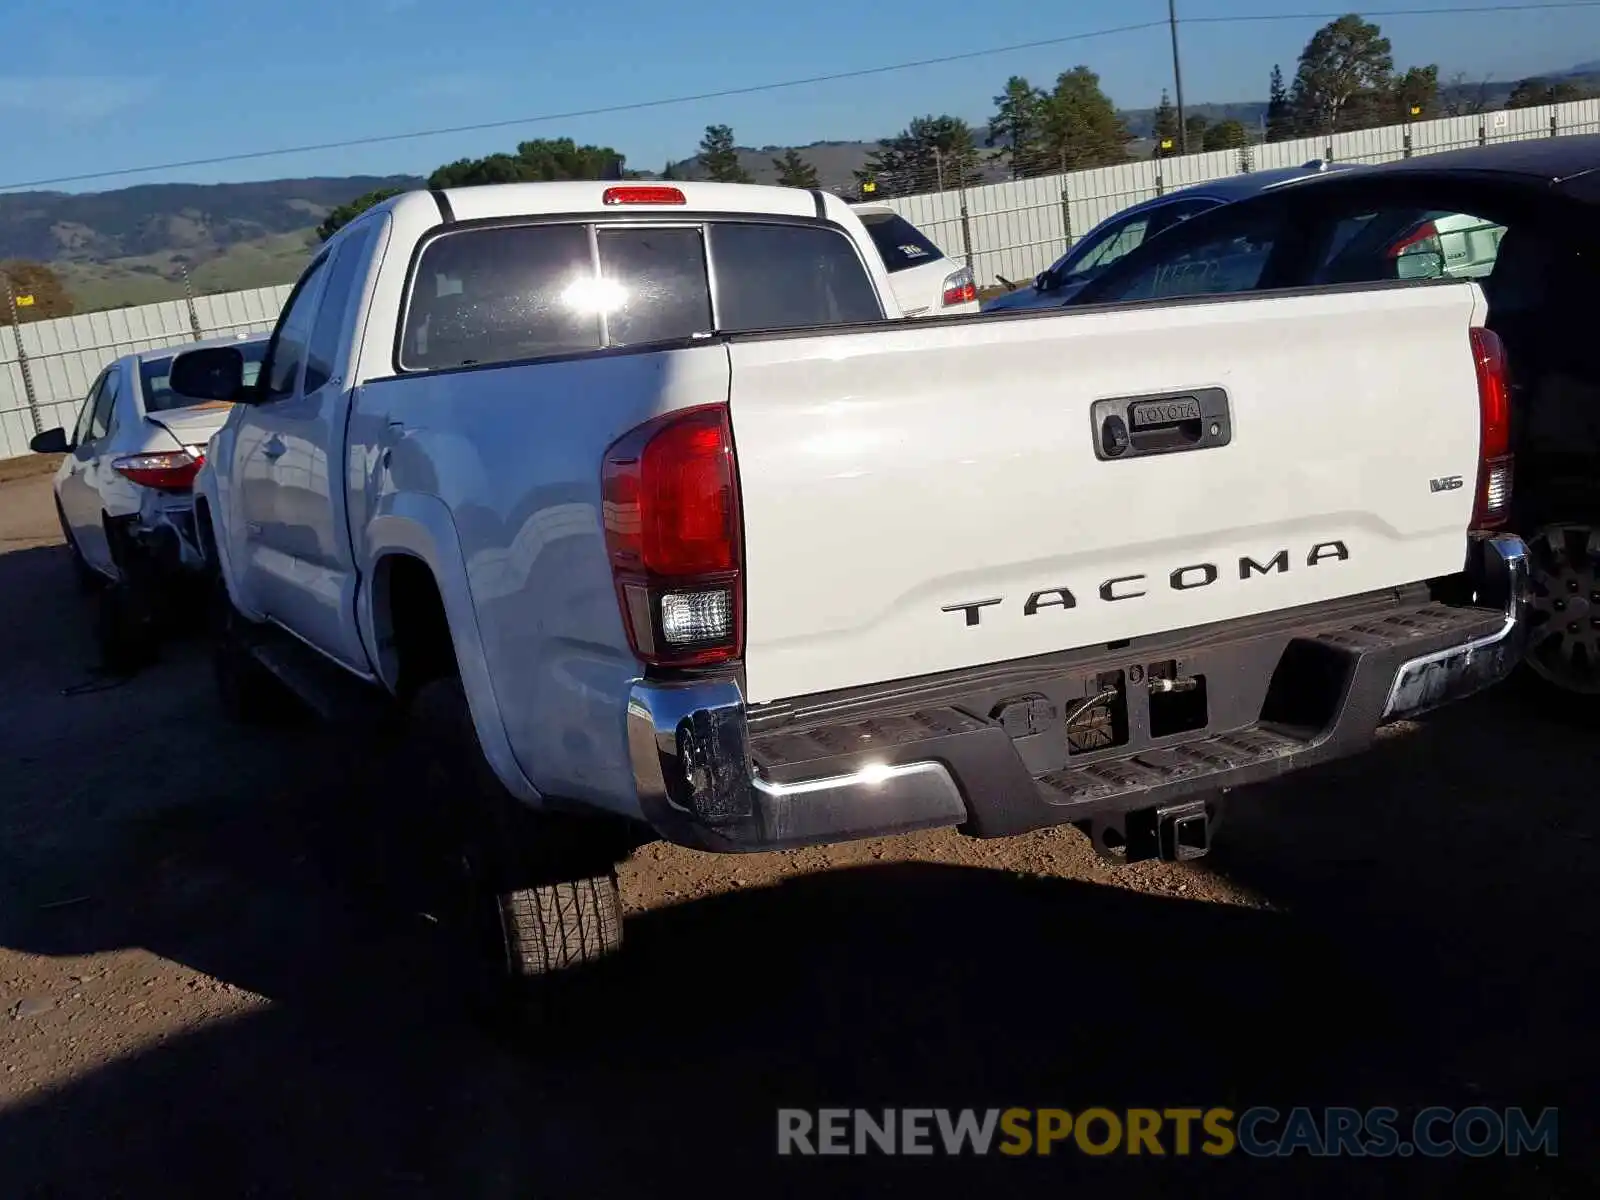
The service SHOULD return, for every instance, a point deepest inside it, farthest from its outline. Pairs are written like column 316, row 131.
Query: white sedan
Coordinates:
column 925, row 282
column 123, row 492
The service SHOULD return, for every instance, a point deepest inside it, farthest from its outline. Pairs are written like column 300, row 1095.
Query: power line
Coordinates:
column 752, row 89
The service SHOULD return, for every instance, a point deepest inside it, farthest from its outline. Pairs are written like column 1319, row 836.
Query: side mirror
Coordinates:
column 51, row 441
column 215, row 373
column 1041, row 281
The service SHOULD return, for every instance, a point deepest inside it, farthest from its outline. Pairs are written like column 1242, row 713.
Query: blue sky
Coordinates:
column 94, row 85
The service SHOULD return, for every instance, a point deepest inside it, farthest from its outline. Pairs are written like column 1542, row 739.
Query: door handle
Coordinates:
column 273, row 449
column 1163, row 423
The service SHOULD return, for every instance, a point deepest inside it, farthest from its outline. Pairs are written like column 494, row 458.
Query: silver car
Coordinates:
column 123, row 491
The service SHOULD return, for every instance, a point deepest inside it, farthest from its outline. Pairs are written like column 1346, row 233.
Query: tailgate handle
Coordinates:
column 1162, row 423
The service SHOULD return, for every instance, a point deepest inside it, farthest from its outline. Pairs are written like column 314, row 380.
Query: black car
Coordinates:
column 1536, row 205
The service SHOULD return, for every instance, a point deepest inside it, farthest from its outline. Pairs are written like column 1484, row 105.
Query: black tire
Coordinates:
column 125, row 631
column 537, row 894
column 247, row 692
column 87, row 580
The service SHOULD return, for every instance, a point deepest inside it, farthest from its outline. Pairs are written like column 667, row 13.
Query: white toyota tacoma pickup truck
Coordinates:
column 635, row 500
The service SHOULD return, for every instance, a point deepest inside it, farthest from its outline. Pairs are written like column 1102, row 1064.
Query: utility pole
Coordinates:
column 1177, row 77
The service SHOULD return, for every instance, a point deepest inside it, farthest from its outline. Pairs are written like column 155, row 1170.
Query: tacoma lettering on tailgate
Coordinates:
column 1131, row 587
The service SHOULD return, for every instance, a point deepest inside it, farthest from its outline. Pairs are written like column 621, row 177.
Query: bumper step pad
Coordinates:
column 1149, row 769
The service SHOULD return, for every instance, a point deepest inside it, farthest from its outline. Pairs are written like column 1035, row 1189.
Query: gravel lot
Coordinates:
column 217, row 975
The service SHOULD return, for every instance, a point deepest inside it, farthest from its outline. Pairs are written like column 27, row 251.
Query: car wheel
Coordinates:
column 535, row 894
column 124, row 630
column 247, row 692
column 1564, row 608
column 87, row 579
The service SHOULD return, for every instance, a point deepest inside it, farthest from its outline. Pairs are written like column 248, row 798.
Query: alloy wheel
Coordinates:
column 1564, row 607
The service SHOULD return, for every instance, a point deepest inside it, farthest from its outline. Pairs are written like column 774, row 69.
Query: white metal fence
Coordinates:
column 1013, row 230
column 59, row 359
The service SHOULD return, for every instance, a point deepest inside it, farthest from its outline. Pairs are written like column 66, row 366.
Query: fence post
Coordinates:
column 22, row 359
column 1066, row 217
column 1406, row 144
column 966, row 229
column 1483, row 131
column 1161, row 188
column 1329, row 156
column 188, row 299
column 1555, row 130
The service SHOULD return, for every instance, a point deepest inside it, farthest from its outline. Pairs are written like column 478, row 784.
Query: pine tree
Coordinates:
column 1164, row 129
column 718, row 157
column 794, row 171
column 1280, row 115
column 1016, row 126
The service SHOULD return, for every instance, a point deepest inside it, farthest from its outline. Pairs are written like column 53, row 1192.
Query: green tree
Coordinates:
column 719, row 158
column 1016, row 126
column 1225, row 135
column 37, row 289
column 1417, row 89
column 1080, row 125
column 1280, row 112
column 794, row 171
column 539, row 161
column 930, row 154
column 1164, row 128
column 1344, row 59
column 1194, row 129
column 345, row 213
column 1530, row 93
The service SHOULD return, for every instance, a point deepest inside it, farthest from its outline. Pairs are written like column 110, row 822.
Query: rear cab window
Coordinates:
column 900, row 244
column 507, row 293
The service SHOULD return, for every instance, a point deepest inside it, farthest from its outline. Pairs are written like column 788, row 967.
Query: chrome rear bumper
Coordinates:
column 703, row 779
column 1431, row 680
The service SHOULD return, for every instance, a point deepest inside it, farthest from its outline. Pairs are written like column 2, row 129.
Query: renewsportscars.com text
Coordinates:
column 1259, row 1132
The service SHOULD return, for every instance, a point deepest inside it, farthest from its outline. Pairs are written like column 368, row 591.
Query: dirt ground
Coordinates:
column 219, row 975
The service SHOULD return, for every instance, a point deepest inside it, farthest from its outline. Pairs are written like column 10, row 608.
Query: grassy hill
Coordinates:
column 130, row 246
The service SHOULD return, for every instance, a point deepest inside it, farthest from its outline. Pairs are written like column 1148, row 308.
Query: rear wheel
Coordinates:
column 1564, row 608
column 247, row 692
column 87, row 579
column 535, row 895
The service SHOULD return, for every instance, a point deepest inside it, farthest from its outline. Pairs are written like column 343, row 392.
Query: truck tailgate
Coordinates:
column 928, row 497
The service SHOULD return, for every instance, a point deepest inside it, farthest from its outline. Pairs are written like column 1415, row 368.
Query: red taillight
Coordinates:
column 960, row 288
column 1422, row 233
column 172, row 471
column 1492, row 505
column 642, row 195
column 670, row 497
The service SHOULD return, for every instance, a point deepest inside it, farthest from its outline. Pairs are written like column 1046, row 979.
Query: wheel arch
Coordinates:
column 414, row 539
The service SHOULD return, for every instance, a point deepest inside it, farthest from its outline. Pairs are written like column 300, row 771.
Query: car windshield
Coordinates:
column 1095, row 253
column 154, row 372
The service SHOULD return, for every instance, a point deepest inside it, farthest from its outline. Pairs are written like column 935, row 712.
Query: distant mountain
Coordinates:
column 185, row 219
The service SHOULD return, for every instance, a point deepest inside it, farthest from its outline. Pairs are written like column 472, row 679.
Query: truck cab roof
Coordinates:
column 504, row 200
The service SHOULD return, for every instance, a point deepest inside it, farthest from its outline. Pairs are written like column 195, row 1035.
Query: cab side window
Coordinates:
column 1220, row 258
column 322, row 352
column 288, row 352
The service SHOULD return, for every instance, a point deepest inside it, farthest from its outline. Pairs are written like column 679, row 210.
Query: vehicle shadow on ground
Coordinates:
column 1434, row 901
column 911, row 985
